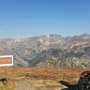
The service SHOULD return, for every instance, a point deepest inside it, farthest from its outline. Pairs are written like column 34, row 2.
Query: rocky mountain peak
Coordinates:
column 62, row 51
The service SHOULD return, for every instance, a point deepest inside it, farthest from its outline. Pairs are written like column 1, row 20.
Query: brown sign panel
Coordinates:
column 6, row 60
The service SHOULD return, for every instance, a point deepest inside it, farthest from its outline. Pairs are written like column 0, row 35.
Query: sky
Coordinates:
column 26, row 18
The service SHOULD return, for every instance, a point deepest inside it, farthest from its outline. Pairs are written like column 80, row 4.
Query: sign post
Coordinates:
column 6, row 60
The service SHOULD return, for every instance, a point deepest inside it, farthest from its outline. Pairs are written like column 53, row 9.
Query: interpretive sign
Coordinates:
column 6, row 60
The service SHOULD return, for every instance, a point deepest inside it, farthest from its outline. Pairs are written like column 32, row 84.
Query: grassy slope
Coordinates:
column 40, row 76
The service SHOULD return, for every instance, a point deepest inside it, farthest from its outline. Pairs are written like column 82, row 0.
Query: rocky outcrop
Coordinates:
column 49, row 50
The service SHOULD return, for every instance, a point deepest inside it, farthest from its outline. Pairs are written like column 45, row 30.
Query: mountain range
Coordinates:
column 49, row 50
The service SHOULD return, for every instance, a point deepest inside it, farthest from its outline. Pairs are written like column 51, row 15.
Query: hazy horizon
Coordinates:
column 43, row 35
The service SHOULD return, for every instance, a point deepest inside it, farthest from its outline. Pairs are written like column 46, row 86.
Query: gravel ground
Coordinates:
column 27, row 86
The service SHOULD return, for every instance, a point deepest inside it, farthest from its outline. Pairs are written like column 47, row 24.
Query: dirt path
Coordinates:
column 24, row 85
